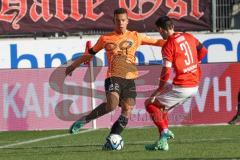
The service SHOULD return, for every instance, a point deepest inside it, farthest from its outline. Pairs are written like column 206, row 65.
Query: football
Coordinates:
column 115, row 142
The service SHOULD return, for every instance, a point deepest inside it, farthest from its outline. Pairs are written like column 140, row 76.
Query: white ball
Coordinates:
column 115, row 141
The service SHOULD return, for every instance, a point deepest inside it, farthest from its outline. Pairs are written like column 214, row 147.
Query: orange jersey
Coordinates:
column 182, row 53
column 121, row 50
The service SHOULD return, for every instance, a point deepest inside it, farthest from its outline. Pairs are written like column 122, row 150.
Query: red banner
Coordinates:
column 32, row 16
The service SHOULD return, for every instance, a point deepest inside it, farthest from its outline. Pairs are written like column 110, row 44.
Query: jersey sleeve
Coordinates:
column 147, row 40
column 197, row 43
column 201, row 50
column 168, row 54
column 99, row 45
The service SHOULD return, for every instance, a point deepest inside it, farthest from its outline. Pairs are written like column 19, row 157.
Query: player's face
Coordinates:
column 121, row 22
column 163, row 33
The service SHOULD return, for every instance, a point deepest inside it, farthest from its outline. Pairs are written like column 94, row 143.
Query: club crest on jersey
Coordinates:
column 123, row 45
column 110, row 46
column 126, row 44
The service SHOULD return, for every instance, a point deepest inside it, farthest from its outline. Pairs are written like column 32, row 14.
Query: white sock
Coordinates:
column 164, row 131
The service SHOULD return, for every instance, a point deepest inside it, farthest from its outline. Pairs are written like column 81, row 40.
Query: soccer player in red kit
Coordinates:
column 182, row 53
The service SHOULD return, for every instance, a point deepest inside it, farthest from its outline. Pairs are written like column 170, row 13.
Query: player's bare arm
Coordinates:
column 147, row 40
column 83, row 59
column 86, row 57
column 165, row 74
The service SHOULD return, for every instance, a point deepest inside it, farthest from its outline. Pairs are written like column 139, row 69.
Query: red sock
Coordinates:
column 157, row 116
column 165, row 117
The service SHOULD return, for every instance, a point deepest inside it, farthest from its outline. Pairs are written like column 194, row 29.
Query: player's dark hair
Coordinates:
column 120, row 11
column 164, row 22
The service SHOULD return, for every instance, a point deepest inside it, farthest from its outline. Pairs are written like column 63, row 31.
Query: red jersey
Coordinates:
column 181, row 52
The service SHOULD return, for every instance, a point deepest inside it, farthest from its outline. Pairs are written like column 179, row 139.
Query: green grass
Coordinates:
column 202, row 142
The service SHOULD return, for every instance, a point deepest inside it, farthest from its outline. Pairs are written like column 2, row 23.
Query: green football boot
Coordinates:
column 170, row 135
column 161, row 144
column 76, row 126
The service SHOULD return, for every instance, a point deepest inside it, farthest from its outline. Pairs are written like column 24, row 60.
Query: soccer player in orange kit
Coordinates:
column 183, row 53
column 120, row 46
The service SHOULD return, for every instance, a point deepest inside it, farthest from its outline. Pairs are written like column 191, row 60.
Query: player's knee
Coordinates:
column 147, row 102
column 147, row 106
column 151, row 106
column 127, row 110
column 112, row 101
column 111, row 106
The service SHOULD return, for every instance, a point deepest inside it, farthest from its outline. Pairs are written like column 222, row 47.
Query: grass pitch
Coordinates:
column 191, row 142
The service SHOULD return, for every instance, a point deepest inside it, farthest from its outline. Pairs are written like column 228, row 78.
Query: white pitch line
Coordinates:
column 42, row 139
column 127, row 143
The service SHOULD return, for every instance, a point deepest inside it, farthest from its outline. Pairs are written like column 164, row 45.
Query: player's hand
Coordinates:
column 152, row 99
column 69, row 70
column 86, row 53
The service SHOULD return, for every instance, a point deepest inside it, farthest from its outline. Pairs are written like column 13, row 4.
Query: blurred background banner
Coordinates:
column 28, row 16
column 49, row 53
column 39, row 100
column 38, row 36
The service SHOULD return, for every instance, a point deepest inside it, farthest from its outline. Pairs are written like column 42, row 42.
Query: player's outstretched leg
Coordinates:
column 160, row 119
column 76, row 126
column 102, row 109
column 97, row 112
